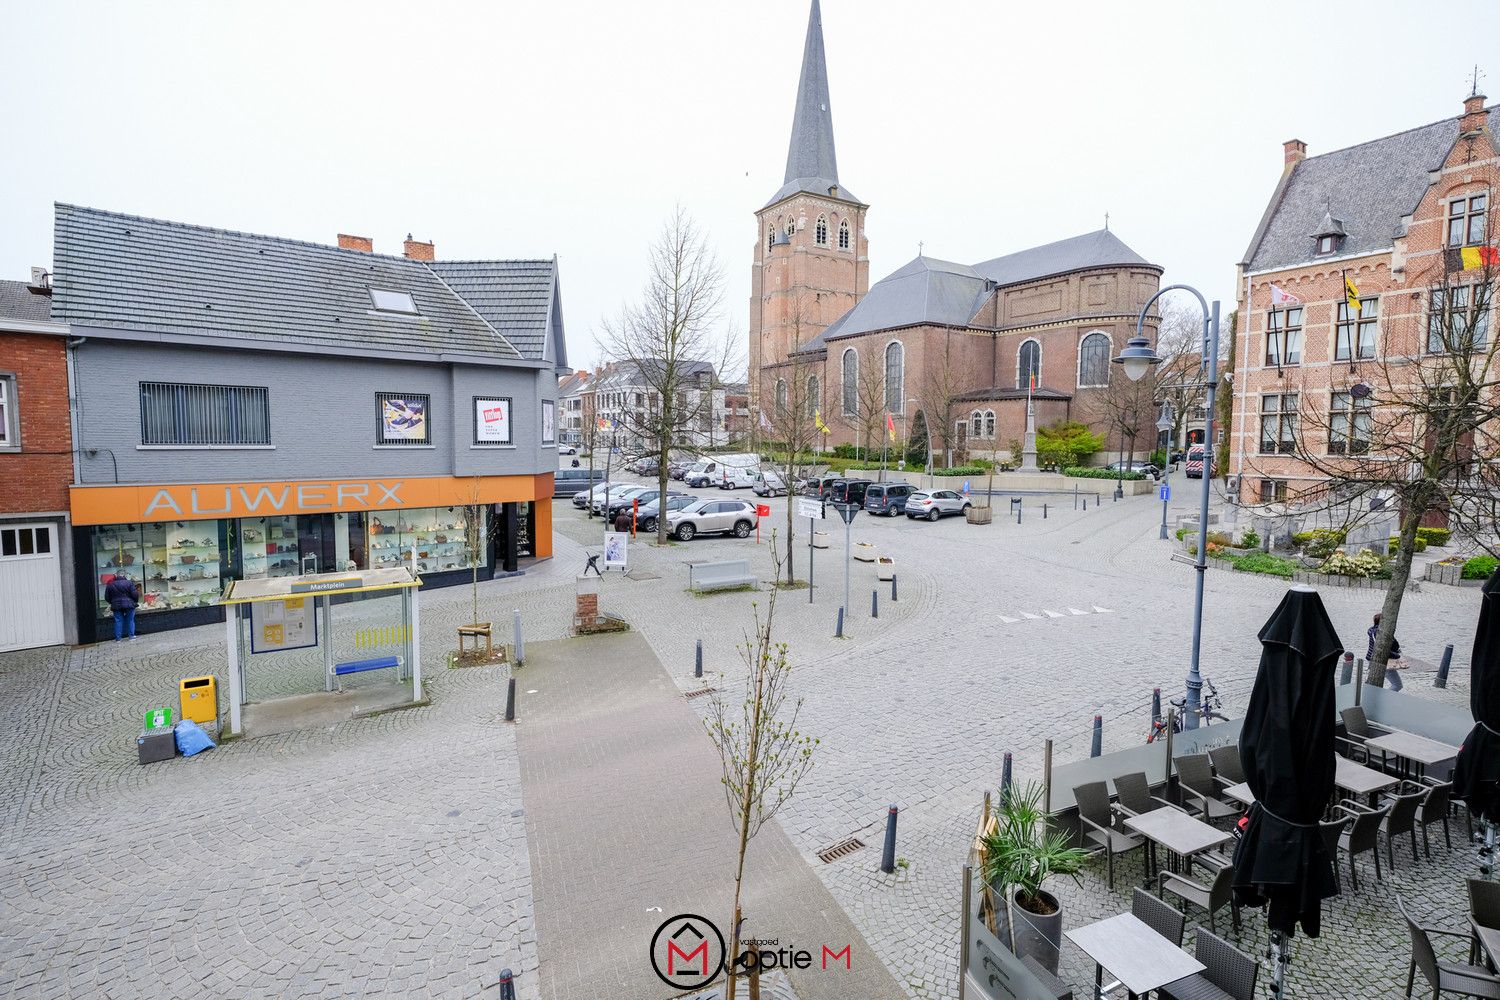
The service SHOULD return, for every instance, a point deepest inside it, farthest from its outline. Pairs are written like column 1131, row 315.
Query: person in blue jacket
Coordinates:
column 123, row 595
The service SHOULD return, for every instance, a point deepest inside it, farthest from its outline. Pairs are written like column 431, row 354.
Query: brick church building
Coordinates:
column 948, row 349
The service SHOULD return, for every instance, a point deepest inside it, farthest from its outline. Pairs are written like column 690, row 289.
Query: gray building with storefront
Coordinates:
column 251, row 406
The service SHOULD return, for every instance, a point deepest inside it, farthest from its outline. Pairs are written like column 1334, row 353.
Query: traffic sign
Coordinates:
column 808, row 507
column 847, row 511
column 1165, row 493
column 966, row 487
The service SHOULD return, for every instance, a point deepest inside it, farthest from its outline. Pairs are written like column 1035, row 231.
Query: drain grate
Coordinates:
column 842, row 849
column 700, row 692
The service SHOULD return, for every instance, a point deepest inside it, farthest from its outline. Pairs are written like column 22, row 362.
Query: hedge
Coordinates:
column 1418, row 544
column 1480, row 567
column 1436, row 537
column 1092, row 473
column 962, row 470
column 1261, row 562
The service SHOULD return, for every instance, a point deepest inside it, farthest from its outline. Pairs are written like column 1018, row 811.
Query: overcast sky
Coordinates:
column 572, row 128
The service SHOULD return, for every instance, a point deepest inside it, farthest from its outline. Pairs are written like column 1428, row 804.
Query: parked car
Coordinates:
column 737, row 477
column 887, row 498
column 615, row 493
column 735, row 517
column 647, row 467
column 822, row 486
column 571, row 482
column 570, row 450
column 645, row 518
column 1193, row 467
column 1145, row 468
column 709, row 471
column 850, row 491
column 676, row 470
column 933, row 504
column 629, row 500
column 588, row 497
column 768, row 484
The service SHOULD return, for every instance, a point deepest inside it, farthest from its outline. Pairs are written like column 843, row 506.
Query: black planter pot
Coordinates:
column 1036, row 934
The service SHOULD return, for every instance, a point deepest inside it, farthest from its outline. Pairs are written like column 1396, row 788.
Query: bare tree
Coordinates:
column 1180, row 378
column 796, row 393
column 762, row 753
column 869, row 393
column 1413, row 430
column 1125, row 407
column 669, row 336
column 943, row 381
column 479, row 521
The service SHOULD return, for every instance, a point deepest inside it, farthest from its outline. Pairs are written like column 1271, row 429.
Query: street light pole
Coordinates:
column 1136, row 358
column 1120, row 464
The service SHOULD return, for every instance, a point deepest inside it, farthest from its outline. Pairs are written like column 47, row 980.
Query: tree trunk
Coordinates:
column 1390, row 611
column 747, row 804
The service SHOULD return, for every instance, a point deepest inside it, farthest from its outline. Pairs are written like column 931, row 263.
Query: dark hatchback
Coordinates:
column 568, row 482
column 887, row 498
column 849, row 491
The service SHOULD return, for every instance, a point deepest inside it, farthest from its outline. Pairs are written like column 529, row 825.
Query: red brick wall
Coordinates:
column 37, row 478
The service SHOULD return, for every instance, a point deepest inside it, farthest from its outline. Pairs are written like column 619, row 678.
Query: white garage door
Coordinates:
column 31, row 612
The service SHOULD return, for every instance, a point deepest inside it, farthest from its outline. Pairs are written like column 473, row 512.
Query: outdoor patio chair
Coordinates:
column 1401, row 818
column 1161, row 916
column 1212, row 897
column 1195, row 779
column 1363, row 834
column 1435, row 808
column 1227, row 972
column 1484, row 908
column 1444, row 977
column 1332, row 830
column 1357, row 730
column 1227, row 769
column 1096, row 824
column 1133, row 792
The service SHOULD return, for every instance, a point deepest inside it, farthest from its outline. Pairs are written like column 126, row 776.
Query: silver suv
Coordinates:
column 710, row 516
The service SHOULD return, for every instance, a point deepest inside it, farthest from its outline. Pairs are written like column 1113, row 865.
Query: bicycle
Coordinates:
column 1209, row 704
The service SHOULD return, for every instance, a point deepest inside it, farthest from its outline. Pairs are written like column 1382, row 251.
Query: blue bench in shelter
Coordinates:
column 360, row 666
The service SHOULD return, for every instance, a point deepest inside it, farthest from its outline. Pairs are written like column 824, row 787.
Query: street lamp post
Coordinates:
column 1164, row 423
column 1120, row 465
column 1136, row 358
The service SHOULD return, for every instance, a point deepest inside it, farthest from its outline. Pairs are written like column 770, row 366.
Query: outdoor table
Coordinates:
column 1179, row 833
column 1351, row 777
column 1419, row 750
column 1241, row 793
column 1134, row 953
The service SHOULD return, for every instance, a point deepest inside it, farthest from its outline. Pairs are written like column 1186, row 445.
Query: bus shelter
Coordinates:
column 293, row 635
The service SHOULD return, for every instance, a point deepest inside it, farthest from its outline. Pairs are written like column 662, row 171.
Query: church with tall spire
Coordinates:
column 937, row 354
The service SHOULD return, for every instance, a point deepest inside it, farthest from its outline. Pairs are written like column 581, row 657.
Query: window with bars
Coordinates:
column 403, row 418
column 1466, row 220
column 1348, row 424
column 204, row 415
column 1355, row 340
column 1284, row 337
column 1278, row 423
column 1454, row 323
column 844, row 235
column 820, row 232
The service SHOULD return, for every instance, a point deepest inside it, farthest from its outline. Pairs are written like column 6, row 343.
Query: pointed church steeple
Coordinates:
column 811, row 163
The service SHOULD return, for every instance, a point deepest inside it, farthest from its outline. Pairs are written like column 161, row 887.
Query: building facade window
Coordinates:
column 1348, row 424
column 1272, row 490
column 844, row 235
column 820, row 231
column 791, row 227
column 403, row 418
column 849, row 387
column 10, row 417
column 1355, row 341
column 1093, row 359
column 1454, row 321
column 976, row 424
column 1325, row 245
column 1284, row 337
column 989, row 423
column 1466, row 220
column 204, row 415
column 895, row 377
column 780, row 396
column 1278, row 423
column 814, row 395
column 770, row 236
column 1029, row 365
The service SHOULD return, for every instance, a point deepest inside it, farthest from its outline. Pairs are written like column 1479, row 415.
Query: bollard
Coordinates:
column 520, row 646
column 507, row 985
column 840, row 633
column 698, row 660
column 510, row 701
column 1155, row 705
column 1348, row 671
column 875, row 604
column 1044, row 512
column 888, row 857
column 1005, row 778
column 1359, row 679
column 1098, row 746
column 1441, row 680
column 1085, row 503
column 893, row 588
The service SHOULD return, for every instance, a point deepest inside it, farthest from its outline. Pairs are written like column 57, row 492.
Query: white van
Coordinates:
column 709, row 471
column 737, row 477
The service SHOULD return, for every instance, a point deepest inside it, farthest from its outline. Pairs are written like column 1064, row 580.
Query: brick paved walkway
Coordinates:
column 627, row 826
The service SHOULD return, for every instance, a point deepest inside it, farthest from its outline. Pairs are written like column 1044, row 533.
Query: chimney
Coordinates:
column 1295, row 152
column 1474, row 117
column 417, row 250
column 361, row 243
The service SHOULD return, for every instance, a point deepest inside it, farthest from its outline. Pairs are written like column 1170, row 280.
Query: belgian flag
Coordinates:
column 1473, row 258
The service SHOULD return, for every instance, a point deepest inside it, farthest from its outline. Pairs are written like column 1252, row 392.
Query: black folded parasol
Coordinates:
column 1476, row 778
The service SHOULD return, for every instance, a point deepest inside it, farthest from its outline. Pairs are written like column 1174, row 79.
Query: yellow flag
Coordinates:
column 1351, row 295
column 818, row 421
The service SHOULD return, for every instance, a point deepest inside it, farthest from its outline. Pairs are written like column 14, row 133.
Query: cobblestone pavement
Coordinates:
column 387, row 856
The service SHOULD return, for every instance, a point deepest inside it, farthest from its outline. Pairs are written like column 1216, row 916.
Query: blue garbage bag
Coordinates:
column 191, row 738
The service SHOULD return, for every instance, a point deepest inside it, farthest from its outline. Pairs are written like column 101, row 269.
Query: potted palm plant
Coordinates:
column 1019, row 855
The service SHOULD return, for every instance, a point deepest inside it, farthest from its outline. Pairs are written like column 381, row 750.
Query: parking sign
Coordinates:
column 809, row 508
column 1165, row 493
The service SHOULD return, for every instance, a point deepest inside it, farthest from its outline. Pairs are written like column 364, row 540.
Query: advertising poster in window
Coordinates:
column 616, row 548
column 403, row 419
column 549, row 421
column 491, row 421
column 281, row 625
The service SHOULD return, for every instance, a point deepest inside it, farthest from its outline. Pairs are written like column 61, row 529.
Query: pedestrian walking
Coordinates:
column 622, row 519
column 1391, row 661
column 123, row 595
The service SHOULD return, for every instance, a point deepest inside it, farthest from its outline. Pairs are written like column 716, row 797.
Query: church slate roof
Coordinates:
column 1369, row 188
column 1100, row 248
column 811, row 161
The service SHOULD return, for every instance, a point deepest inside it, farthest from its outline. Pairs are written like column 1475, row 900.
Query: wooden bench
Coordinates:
column 360, row 666
column 720, row 575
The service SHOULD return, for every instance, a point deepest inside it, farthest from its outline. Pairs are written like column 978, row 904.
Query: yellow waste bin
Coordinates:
column 200, row 699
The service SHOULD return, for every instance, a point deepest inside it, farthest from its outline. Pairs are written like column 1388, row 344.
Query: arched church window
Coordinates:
column 1029, row 365
column 895, row 377
column 780, row 396
column 989, row 423
column 976, row 424
column 850, row 386
column 844, row 235
column 770, row 236
column 820, row 233
column 814, row 395
column 1093, row 359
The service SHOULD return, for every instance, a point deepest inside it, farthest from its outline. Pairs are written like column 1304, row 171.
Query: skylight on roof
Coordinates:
column 397, row 302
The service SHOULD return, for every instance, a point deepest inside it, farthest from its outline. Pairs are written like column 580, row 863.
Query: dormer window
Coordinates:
column 1329, row 235
column 1325, row 245
column 389, row 301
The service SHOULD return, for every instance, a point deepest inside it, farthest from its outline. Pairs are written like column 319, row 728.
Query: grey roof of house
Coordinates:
column 517, row 297
column 125, row 272
column 1369, row 188
column 928, row 291
column 572, row 384
column 18, row 301
column 811, row 162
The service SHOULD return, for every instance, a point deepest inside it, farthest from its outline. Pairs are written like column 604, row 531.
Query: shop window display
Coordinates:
column 268, row 547
column 176, row 564
column 437, row 534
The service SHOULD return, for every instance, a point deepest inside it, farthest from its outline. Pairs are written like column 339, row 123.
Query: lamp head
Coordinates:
column 1137, row 358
